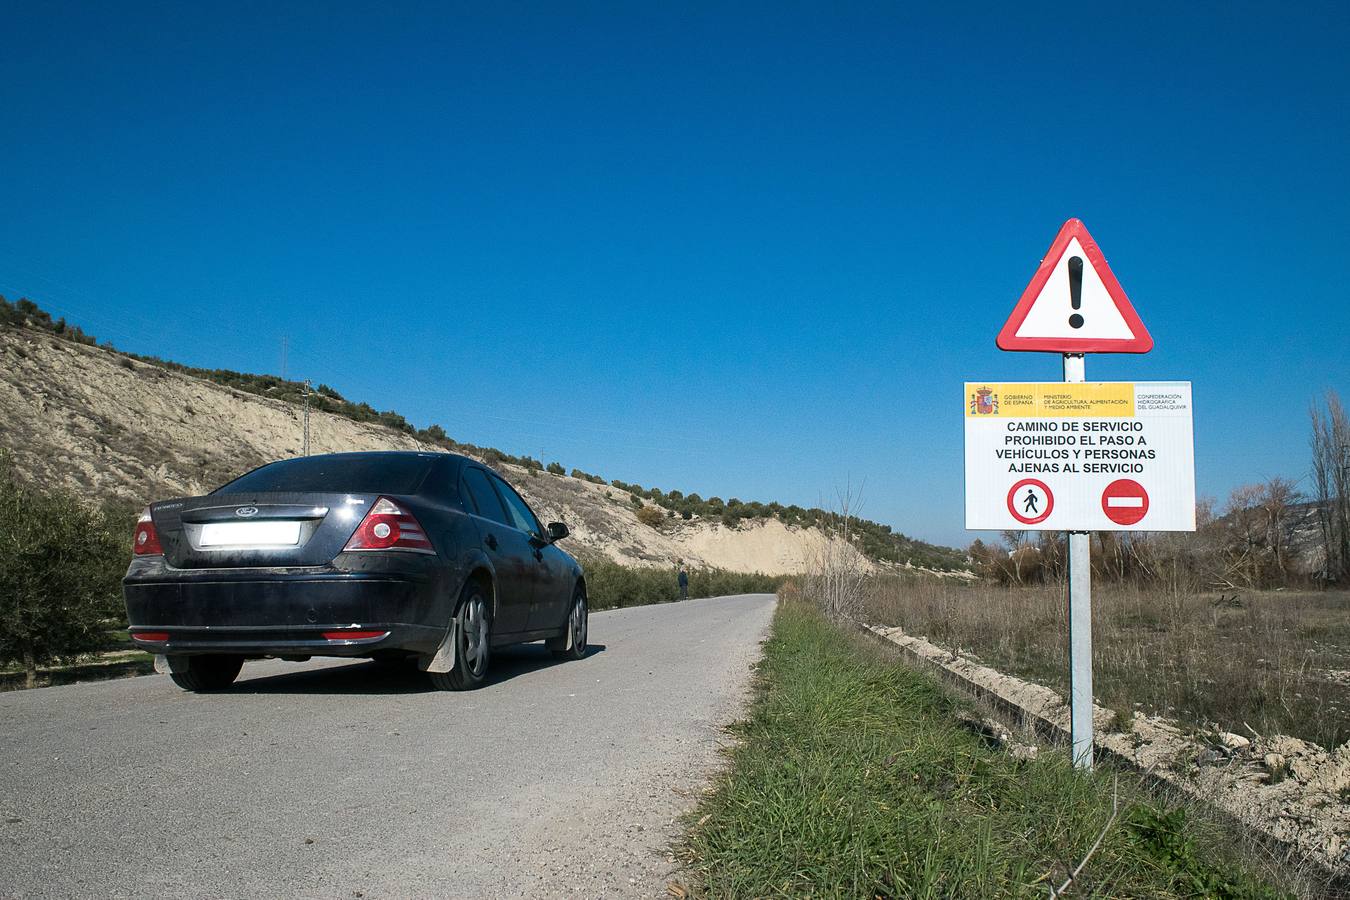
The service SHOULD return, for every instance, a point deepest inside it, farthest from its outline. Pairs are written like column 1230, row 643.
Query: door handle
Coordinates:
column 491, row 541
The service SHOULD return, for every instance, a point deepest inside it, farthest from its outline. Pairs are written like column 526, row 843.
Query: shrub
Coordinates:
column 60, row 574
column 610, row 585
column 556, row 469
column 650, row 516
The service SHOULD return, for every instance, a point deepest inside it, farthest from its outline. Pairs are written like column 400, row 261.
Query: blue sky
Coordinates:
column 744, row 250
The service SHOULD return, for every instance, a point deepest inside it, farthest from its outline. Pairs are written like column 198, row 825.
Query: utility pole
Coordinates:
column 306, row 448
column 285, row 341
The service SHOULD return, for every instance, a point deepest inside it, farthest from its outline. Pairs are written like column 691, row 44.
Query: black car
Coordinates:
column 399, row 556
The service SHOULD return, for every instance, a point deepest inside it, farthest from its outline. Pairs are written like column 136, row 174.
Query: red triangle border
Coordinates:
column 1142, row 342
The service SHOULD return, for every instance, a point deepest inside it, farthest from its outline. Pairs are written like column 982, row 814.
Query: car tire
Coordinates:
column 571, row 644
column 203, row 674
column 473, row 643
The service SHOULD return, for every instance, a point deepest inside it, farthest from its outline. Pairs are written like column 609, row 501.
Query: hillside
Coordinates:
column 128, row 429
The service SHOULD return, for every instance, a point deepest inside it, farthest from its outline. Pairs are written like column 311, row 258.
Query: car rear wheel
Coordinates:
column 202, row 674
column 571, row 644
column 473, row 647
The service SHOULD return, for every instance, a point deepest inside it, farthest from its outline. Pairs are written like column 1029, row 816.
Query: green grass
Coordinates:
column 852, row 779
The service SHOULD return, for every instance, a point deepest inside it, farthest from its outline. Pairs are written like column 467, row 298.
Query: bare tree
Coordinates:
column 839, row 570
column 1054, row 554
column 1015, row 540
column 1113, row 554
column 1245, row 534
column 1277, row 502
column 1331, row 484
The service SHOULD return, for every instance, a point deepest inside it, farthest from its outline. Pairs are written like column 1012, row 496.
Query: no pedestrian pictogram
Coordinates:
column 1030, row 501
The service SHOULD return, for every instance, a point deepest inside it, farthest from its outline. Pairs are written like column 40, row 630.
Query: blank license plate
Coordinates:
column 250, row 534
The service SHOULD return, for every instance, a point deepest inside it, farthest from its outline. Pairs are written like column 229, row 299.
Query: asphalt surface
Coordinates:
column 337, row 779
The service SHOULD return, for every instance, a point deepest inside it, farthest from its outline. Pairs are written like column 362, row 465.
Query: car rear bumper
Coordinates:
column 284, row 614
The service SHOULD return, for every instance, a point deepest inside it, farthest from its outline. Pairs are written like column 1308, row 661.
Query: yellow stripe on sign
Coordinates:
column 1036, row 400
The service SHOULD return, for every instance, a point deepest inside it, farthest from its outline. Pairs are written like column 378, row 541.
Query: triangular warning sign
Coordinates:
column 1074, row 303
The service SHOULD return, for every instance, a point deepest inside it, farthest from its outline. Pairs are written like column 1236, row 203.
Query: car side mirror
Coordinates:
column 557, row 531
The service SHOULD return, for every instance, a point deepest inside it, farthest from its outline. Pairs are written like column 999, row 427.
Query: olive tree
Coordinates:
column 60, row 570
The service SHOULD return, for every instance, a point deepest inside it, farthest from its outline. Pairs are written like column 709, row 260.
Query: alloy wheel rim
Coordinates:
column 578, row 625
column 475, row 634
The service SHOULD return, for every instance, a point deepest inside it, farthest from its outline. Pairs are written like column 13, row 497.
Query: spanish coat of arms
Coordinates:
column 984, row 402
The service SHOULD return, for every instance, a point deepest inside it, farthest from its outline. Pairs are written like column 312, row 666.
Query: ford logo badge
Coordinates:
column 246, row 512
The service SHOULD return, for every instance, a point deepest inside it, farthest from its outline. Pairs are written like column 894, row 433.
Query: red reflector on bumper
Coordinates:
column 157, row 636
column 352, row 635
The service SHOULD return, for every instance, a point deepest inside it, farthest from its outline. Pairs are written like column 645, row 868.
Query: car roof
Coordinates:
column 425, row 454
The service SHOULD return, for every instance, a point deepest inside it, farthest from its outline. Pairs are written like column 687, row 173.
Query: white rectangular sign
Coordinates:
column 1093, row 456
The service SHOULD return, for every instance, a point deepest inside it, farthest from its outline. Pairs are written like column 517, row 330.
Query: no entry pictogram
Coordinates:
column 1125, row 501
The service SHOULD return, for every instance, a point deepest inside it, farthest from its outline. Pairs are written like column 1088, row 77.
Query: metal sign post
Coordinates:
column 1080, row 617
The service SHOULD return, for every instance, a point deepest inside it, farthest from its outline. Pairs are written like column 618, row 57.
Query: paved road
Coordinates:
column 333, row 779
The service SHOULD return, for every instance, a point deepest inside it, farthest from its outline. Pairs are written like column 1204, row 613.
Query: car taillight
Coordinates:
column 146, row 540
column 389, row 526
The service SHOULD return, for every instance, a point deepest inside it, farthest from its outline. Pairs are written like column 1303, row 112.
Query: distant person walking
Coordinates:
column 683, row 578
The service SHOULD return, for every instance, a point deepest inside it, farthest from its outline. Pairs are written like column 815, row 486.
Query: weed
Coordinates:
column 1165, row 836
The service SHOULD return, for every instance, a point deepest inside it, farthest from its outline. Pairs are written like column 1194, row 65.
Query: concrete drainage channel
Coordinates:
column 1295, row 812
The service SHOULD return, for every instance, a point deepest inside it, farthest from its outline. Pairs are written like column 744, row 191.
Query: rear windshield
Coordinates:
column 374, row 474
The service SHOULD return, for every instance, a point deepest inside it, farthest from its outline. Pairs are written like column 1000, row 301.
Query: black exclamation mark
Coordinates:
column 1076, row 289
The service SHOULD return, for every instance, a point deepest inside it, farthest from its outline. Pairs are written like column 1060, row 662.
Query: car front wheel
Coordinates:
column 571, row 644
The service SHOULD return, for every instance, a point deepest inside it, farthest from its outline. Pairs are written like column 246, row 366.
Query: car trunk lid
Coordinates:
column 258, row 529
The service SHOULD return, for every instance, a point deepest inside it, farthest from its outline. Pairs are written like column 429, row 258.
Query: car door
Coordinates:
column 508, row 548
column 547, row 611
